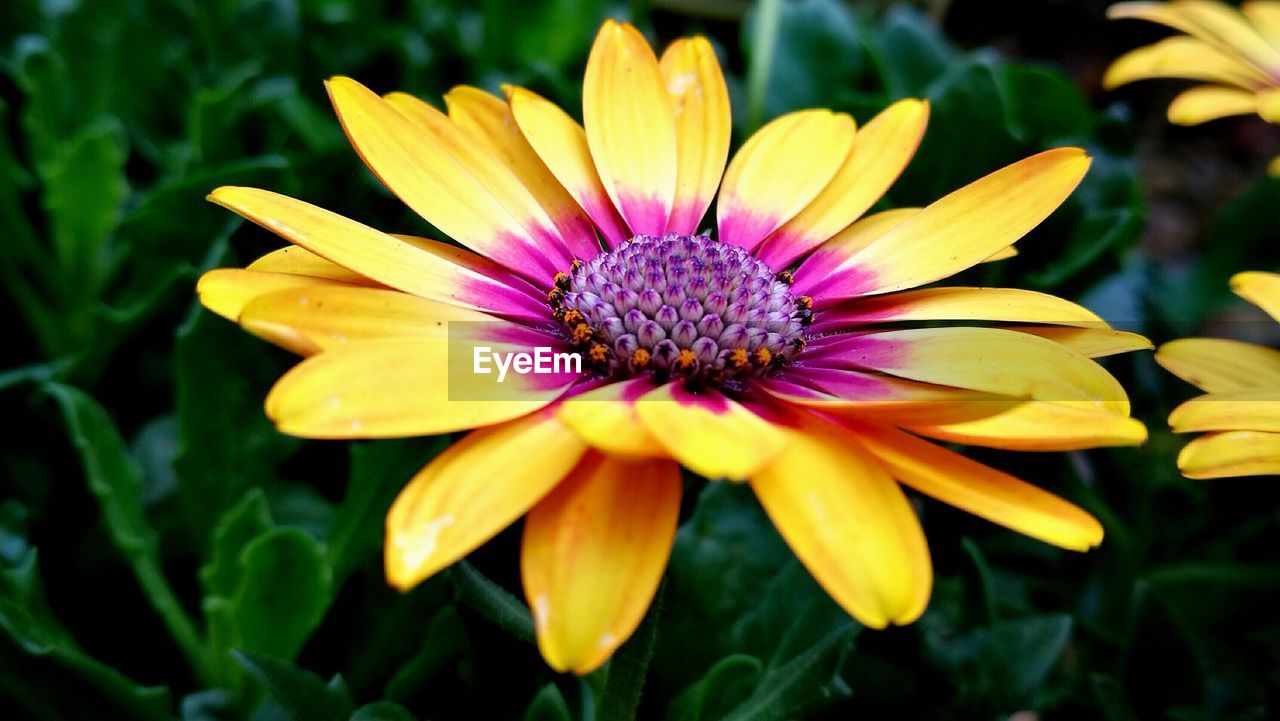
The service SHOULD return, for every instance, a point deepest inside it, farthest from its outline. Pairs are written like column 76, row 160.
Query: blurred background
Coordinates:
column 165, row 554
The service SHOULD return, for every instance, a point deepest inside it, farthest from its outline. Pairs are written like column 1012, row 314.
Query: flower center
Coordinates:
column 678, row 305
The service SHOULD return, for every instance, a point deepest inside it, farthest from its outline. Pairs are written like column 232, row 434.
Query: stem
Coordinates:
column 621, row 698
column 490, row 600
column 175, row 619
column 764, row 40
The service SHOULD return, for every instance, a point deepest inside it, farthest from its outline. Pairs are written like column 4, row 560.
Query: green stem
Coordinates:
column 764, row 40
column 627, row 670
column 490, row 600
column 175, row 618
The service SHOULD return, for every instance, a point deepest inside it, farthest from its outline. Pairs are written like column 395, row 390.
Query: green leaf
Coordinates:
column 285, row 589
column 240, row 525
column 225, row 442
column 1044, row 106
column 379, row 469
column 113, row 476
column 440, row 648
column 115, row 480
column 300, row 694
column 266, row 588
column 724, row 557
column 548, row 705
column 909, row 52
column 1005, row 664
column 382, row 711
column 818, row 51
column 803, row 637
column 1111, row 698
column 547, row 35
column 43, row 671
column 85, row 189
column 725, row 687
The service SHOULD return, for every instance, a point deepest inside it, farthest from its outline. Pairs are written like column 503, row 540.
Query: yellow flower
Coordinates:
column 1240, row 411
column 792, row 352
column 1236, row 52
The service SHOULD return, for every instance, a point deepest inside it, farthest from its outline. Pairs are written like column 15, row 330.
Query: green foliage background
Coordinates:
column 165, row 554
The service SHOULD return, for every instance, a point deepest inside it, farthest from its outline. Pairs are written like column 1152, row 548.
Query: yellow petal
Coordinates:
column 606, row 418
column 1089, row 342
column 708, row 433
column 849, row 524
column 1250, row 409
column 376, row 255
column 422, row 172
column 1265, row 16
column 1269, row 105
column 1216, row 365
column 226, row 291
column 1040, row 426
column 296, row 260
column 489, row 120
column 479, row 160
column 1210, row 102
column 1003, row 254
column 992, row 360
column 1261, row 289
column 700, row 100
column 1216, row 23
column 475, row 488
column 593, row 555
column 1182, row 57
column 309, row 319
column 630, row 126
column 1229, row 27
column 881, row 150
column 779, row 171
column 981, row 490
column 1001, row 304
column 1230, row 454
column 967, row 226
column 562, row 145
column 399, row 387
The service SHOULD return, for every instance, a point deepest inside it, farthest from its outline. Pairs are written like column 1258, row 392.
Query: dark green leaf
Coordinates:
column 817, row 51
column 378, row 471
column 299, row 693
column 85, row 189
column 725, row 687
column 382, row 711
column 548, row 705
column 43, row 671
column 225, row 442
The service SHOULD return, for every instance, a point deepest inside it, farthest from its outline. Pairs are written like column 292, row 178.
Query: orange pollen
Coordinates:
column 804, row 302
column 573, row 317
column 685, row 359
column 762, row 357
column 599, row 353
column 582, row 333
column 738, row 357
column 640, row 359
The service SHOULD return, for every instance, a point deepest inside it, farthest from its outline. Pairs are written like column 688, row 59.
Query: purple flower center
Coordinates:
column 679, row 305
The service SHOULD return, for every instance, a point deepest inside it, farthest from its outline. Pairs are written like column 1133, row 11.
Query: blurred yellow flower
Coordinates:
column 795, row 351
column 1235, row 52
column 1240, row 411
